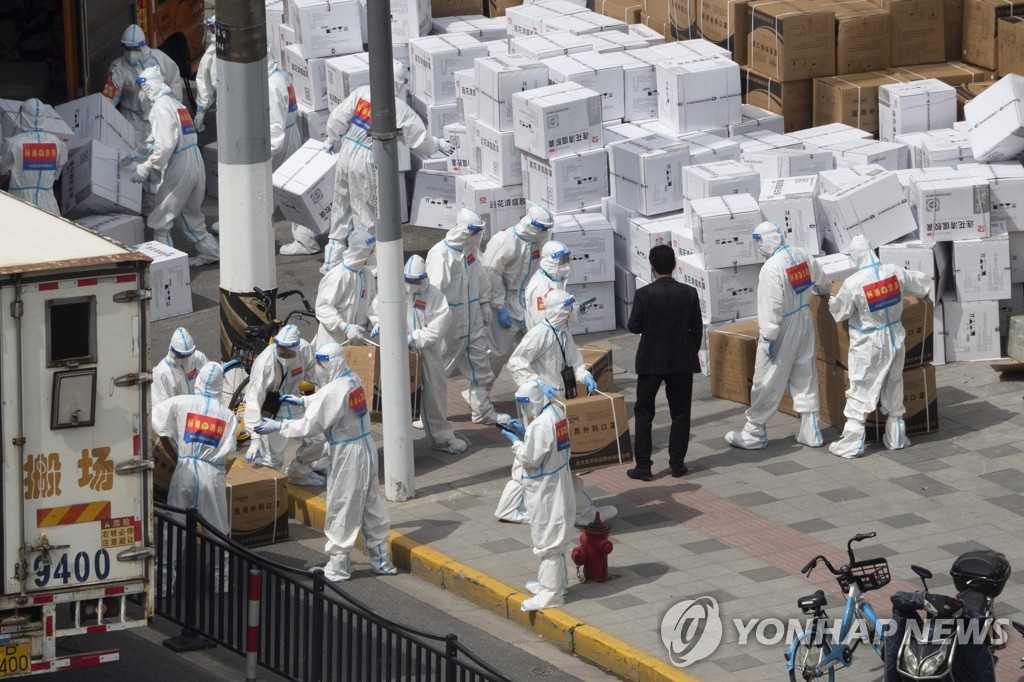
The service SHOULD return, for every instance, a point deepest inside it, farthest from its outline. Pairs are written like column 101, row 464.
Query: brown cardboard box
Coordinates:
column 662, row 27
column 863, row 37
column 827, row 333
column 851, row 99
column 165, row 458
column 965, row 93
column 624, row 10
column 790, row 43
column 732, row 353
column 598, row 360
column 496, row 8
column 794, row 100
column 951, row 73
column 364, row 361
column 680, row 15
column 981, row 24
column 953, row 13
column 918, row 31
column 257, row 504
column 598, row 431
column 726, row 23
column 456, row 8
column 831, row 394
column 1011, row 46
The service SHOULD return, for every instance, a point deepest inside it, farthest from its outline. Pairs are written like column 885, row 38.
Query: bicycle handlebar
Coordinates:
column 806, row 570
column 859, row 537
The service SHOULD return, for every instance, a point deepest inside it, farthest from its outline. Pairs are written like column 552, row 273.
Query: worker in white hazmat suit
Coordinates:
column 553, row 273
column 203, row 431
column 785, row 355
column 543, row 454
column 176, row 373
column 33, row 159
column 340, row 412
column 206, row 77
column 277, row 372
column 121, row 87
column 510, row 259
column 872, row 300
column 348, row 135
column 285, row 141
column 172, row 167
column 453, row 267
column 428, row 318
column 343, row 301
column 542, row 354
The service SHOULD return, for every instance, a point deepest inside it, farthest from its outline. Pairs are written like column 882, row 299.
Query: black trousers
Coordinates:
column 679, row 391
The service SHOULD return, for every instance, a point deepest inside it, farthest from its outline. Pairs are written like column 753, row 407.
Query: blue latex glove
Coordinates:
column 289, row 399
column 591, row 385
column 517, row 425
column 375, row 332
column 331, row 146
column 769, row 347
column 504, row 319
column 267, row 426
column 549, row 390
column 511, row 437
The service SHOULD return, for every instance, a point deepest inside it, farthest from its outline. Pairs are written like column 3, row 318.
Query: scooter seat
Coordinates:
column 974, row 600
column 813, row 602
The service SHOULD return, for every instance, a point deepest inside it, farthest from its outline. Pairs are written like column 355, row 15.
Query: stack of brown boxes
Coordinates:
column 628, row 11
column 674, row 19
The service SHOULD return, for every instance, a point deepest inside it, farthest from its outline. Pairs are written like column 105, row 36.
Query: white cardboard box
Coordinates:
column 832, row 132
column 617, row 132
column 436, row 116
column 480, row 27
column 706, row 148
column 595, row 71
column 951, row 208
column 210, row 161
column 495, row 154
column 345, row 74
column 995, row 121
column 723, row 228
column 835, row 180
column 892, row 156
column 127, row 229
column 463, row 160
column 304, row 187
column 971, row 330
column 589, row 238
column 725, row 294
column 689, row 49
column 939, row 345
column 600, row 315
column 95, row 117
column 435, row 59
column 646, row 233
column 566, row 182
column 947, row 148
column 10, row 121
column 584, row 23
column 433, row 200
column 646, row 174
column 465, row 90
column 525, row 20
column 784, row 163
column 914, row 107
column 1010, row 306
column 837, row 266
column 683, row 242
column 618, row 217
column 981, row 269
column 409, row 19
column 1006, row 190
column 700, row 93
column 720, row 178
column 497, row 78
column 499, row 206
column 639, row 85
column 754, row 119
column 765, row 140
column 789, row 203
column 313, row 126
column 309, row 78
column 557, row 119
column 326, row 28
column 538, row 46
column 874, row 207
column 934, row 259
column 625, row 284
column 647, row 34
column 1016, row 256
column 94, row 182
column 169, row 280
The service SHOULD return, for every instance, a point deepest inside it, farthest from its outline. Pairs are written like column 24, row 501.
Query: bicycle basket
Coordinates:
column 245, row 354
column 870, row 574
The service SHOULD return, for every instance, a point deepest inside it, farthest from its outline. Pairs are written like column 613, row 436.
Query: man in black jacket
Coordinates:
column 666, row 314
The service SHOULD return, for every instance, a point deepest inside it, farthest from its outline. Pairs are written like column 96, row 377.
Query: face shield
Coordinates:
column 133, row 42
column 556, row 261
column 538, row 220
column 330, row 363
column 560, row 309
column 415, row 274
column 768, row 238
column 530, row 401
column 286, row 342
column 360, row 246
column 861, row 252
column 181, row 346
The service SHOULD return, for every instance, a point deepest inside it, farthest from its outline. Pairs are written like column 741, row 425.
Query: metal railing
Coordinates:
column 309, row 629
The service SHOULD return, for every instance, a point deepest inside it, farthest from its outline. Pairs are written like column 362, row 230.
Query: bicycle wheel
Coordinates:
column 807, row 657
column 235, row 376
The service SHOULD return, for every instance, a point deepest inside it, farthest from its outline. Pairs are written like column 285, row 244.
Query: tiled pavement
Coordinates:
column 740, row 525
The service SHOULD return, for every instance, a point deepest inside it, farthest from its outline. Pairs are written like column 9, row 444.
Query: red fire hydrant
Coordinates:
column 592, row 554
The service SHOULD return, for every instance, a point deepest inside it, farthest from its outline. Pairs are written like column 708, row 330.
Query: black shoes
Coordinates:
column 640, row 474
column 680, row 472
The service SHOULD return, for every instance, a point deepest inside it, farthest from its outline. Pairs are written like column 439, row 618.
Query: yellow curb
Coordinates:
column 586, row 641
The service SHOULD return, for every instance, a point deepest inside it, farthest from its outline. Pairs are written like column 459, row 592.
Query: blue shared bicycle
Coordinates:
column 823, row 647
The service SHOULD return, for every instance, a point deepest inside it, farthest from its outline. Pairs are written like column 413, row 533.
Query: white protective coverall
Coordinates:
column 346, row 292
column 281, row 367
column 453, row 267
column 172, row 165
column 538, row 357
column 285, row 141
column 340, row 412
column 206, row 77
column 543, row 456
column 510, row 259
column 204, row 433
column 348, row 134
column 553, row 273
column 176, row 373
column 33, row 159
column 785, row 355
column 872, row 300
column 121, row 87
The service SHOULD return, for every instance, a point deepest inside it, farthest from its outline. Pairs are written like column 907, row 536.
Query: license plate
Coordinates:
column 15, row 659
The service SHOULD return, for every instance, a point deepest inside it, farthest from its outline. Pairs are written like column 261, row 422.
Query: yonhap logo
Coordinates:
column 691, row 630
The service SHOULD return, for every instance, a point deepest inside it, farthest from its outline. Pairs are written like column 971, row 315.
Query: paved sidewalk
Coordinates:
column 740, row 525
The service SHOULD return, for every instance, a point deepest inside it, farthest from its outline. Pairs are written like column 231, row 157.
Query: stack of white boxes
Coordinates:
column 592, row 282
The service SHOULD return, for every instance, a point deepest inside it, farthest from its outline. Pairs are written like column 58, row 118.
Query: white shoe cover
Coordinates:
column 338, row 568
column 456, row 446
column 380, row 560
column 200, row 260
column 895, row 437
column 418, row 424
column 544, row 599
column 750, row 438
column 296, row 249
column 312, row 480
column 532, row 586
column 810, row 433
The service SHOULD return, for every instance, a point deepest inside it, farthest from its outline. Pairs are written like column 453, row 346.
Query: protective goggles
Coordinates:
column 138, row 45
column 416, row 279
column 371, row 241
column 282, row 344
column 523, row 400
column 756, row 236
column 569, row 302
column 322, row 358
column 140, row 79
column 474, row 228
column 183, row 353
column 541, row 226
column 561, row 257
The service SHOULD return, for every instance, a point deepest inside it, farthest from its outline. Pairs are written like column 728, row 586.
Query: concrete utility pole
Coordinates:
column 243, row 163
column 399, row 469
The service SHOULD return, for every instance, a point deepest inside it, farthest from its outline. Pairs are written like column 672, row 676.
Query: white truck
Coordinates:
column 77, row 544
